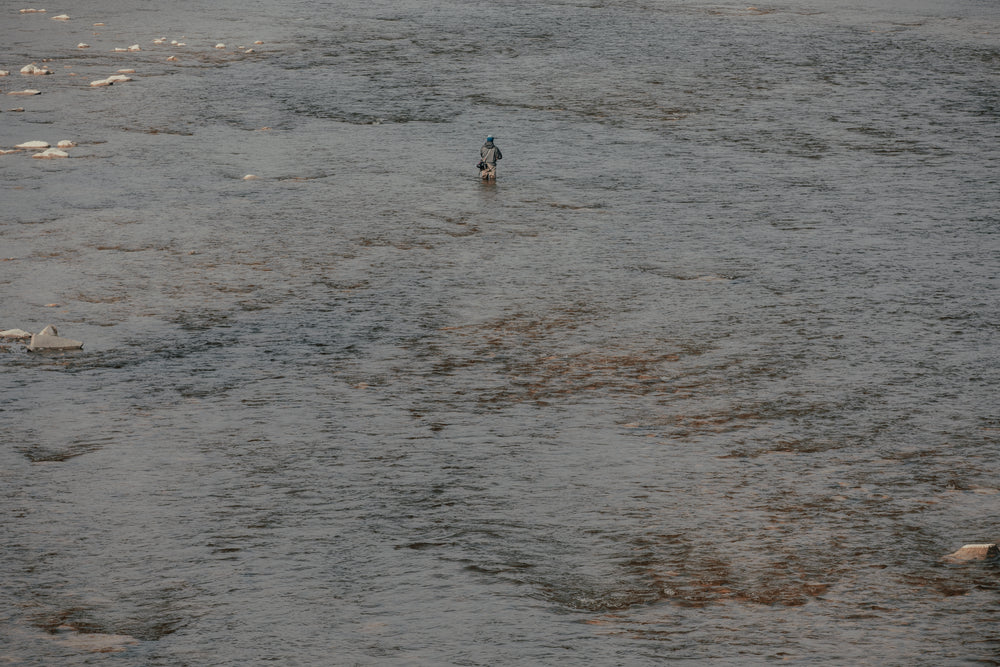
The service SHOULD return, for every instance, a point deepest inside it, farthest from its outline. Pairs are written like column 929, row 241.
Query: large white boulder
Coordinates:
column 34, row 145
column 48, row 339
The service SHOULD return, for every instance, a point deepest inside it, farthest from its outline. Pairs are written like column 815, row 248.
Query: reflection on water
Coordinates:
column 707, row 374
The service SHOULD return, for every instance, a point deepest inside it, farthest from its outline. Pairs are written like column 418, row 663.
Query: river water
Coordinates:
column 709, row 374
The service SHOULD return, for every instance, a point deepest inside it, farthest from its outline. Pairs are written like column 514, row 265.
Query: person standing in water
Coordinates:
column 490, row 153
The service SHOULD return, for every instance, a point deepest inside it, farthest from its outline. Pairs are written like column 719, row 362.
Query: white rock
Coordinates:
column 972, row 552
column 220, row 45
column 66, row 143
column 33, row 11
column 3, row 152
column 81, row 45
column 249, row 51
column 250, row 177
column 126, row 71
column 172, row 59
column 34, row 145
column 120, row 49
column 15, row 333
column 50, row 154
column 135, row 47
column 61, row 17
column 33, row 69
column 29, row 91
column 118, row 78
column 100, row 83
column 258, row 42
column 51, row 341
column 4, row 72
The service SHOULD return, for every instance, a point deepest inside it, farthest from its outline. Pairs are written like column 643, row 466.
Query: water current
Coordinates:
column 708, row 375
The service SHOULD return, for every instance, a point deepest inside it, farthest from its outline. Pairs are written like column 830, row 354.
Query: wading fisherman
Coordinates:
column 489, row 154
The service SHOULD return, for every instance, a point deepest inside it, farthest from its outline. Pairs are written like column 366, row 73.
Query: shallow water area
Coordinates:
column 707, row 374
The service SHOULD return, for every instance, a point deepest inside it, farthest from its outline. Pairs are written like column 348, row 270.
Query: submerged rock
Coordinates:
column 93, row 642
column 4, row 72
column 34, row 145
column 81, row 45
column 61, row 17
column 66, row 143
column 28, row 91
column 971, row 552
column 100, row 83
column 118, row 78
column 48, row 339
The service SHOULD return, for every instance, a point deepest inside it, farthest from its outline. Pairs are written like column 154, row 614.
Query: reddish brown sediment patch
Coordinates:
column 541, row 362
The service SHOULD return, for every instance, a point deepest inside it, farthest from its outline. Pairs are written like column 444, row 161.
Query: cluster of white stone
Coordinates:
column 43, row 150
column 46, row 339
column 34, row 69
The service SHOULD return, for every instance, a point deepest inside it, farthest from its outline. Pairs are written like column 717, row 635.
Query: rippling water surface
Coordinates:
column 709, row 374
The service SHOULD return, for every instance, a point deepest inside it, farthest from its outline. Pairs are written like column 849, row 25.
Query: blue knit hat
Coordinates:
column 489, row 138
